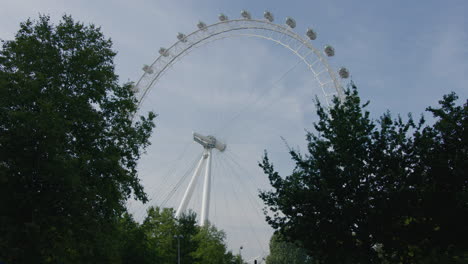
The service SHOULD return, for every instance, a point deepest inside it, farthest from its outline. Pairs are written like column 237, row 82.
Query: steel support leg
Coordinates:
column 206, row 192
column 193, row 182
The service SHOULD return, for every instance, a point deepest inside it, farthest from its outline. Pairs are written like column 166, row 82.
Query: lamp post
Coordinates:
column 178, row 247
column 240, row 254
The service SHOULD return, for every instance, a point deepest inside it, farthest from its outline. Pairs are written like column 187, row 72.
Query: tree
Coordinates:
column 187, row 227
column 161, row 228
column 212, row 248
column 136, row 246
column 283, row 252
column 433, row 229
column 197, row 244
column 68, row 147
column 369, row 191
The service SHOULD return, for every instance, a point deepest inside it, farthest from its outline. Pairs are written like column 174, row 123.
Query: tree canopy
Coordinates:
column 284, row 252
column 161, row 235
column 368, row 191
column 68, row 147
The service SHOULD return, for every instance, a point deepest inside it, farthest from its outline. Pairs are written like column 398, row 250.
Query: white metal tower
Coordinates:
column 208, row 143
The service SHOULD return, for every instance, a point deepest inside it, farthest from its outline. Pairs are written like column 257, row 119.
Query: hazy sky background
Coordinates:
column 403, row 56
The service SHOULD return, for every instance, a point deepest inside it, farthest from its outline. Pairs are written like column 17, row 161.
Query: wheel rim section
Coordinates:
column 279, row 34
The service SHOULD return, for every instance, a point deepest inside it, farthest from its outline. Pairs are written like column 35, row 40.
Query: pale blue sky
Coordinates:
column 403, row 56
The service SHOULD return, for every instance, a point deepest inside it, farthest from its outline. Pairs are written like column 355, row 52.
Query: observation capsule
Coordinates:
column 245, row 14
column 329, row 51
column 268, row 16
column 164, row 52
column 311, row 34
column 147, row 69
column 182, row 37
column 222, row 17
column 290, row 22
column 201, row 25
column 343, row 72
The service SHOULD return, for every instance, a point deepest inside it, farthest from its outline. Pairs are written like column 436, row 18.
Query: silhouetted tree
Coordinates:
column 369, row 191
column 68, row 147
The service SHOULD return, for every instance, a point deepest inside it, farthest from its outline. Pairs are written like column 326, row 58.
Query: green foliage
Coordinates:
column 370, row 191
column 161, row 234
column 212, row 247
column 161, row 228
column 187, row 227
column 135, row 246
column 283, row 252
column 68, row 149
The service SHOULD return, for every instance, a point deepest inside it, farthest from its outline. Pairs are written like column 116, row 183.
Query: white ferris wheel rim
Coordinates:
column 224, row 29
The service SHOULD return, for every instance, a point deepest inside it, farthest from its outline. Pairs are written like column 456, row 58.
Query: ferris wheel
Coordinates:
column 215, row 154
